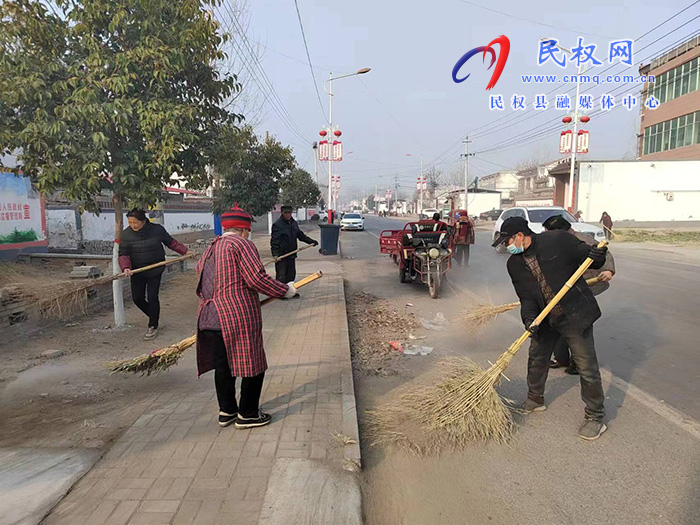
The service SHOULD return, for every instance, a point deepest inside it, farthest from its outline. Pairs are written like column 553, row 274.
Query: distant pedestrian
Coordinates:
column 142, row 245
column 285, row 232
column 607, row 223
column 229, row 320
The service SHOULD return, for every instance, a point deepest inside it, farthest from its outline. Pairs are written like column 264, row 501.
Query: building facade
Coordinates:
column 672, row 130
column 536, row 186
column 505, row 182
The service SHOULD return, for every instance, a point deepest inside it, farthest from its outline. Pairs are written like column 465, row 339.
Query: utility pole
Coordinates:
column 466, row 142
column 574, row 145
column 421, row 185
column 330, row 156
column 396, row 188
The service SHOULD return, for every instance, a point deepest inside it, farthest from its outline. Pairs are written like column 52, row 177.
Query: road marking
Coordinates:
column 660, row 408
column 377, row 236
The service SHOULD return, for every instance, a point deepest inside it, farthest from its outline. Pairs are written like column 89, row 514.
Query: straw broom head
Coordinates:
column 155, row 362
column 477, row 318
column 464, row 407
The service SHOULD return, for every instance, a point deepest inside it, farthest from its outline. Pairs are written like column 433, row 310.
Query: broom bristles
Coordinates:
column 155, row 362
column 462, row 408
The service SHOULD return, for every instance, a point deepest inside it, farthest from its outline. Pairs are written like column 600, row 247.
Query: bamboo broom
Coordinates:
column 482, row 315
column 277, row 259
column 68, row 298
column 161, row 360
column 464, row 406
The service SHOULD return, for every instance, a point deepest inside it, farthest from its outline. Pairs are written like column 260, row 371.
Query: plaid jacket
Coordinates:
column 240, row 276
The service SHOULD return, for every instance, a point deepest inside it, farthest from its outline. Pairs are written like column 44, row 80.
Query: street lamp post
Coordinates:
column 420, row 210
column 569, row 195
column 329, row 91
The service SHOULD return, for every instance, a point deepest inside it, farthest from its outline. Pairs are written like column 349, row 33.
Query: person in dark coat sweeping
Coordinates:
column 604, row 274
column 285, row 232
column 142, row 245
column 539, row 267
column 229, row 320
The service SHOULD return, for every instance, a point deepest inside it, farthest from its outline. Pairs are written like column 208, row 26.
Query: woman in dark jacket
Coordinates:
column 142, row 245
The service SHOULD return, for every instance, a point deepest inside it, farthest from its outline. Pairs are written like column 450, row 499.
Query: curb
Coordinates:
column 351, row 451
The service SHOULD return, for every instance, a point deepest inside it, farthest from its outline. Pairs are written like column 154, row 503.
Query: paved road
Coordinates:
column 645, row 469
column 647, row 334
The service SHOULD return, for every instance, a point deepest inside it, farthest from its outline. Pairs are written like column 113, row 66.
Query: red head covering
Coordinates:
column 236, row 218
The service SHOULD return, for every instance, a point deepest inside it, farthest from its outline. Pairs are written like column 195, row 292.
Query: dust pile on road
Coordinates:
column 373, row 323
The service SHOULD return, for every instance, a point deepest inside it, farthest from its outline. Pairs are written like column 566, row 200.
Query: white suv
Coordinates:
column 536, row 215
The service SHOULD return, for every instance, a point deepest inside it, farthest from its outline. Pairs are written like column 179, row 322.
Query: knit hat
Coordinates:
column 236, row 218
column 286, row 208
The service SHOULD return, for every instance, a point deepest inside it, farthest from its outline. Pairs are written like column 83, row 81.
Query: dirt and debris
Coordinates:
column 373, row 323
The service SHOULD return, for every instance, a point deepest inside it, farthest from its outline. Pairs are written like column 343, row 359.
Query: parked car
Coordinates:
column 536, row 215
column 352, row 221
column 428, row 212
column 491, row 215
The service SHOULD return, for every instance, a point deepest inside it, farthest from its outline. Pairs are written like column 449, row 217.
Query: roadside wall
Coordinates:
column 480, row 202
column 640, row 190
column 69, row 230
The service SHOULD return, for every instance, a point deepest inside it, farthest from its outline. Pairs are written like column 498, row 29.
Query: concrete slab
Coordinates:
column 33, row 480
column 306, row 492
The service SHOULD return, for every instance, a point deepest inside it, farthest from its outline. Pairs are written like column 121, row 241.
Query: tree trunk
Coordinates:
column 117, row 294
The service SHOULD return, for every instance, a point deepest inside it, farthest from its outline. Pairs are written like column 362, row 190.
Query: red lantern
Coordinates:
column 585, row 119
column 337, row 133
column 567, row 120
column 323, row 133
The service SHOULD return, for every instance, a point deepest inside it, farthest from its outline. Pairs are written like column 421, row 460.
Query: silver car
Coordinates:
column 536, row 215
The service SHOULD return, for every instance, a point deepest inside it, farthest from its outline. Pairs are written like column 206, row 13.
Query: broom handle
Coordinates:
column 565, row 289
column 157, row 265
column 186, row 343
column 277, row 259
column 306, row 280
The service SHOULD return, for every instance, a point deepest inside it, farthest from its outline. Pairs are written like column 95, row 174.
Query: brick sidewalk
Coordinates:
column 176, row 465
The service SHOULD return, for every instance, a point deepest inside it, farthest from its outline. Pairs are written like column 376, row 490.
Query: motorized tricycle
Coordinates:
column 422, row 251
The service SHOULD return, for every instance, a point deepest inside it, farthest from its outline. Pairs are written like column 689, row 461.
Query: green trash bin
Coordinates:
column 329, row 238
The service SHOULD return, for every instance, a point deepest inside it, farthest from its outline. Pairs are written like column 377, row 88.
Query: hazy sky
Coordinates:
column 409, row 103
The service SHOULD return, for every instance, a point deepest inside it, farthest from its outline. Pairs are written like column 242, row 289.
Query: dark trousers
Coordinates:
column 144, row 292
column 582, row 348
column 561, row 352
column 225, row 383
column 286, row 270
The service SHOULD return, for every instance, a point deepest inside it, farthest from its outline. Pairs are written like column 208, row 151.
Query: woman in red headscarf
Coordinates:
column 229, row 321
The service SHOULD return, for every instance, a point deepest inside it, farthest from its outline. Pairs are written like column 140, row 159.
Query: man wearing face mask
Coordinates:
column 539, row 267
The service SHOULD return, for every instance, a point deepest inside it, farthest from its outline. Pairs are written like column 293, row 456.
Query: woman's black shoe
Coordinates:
column 260, row 421
column 226, row 419
column 571, row 370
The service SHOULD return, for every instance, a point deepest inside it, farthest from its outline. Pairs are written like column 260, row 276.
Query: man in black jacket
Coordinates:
column 285, row 232
column 539, row 267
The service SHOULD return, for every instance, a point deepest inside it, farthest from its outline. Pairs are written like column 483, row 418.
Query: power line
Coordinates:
column 311, row 68
column 260, row 78
column 514, row 119
column 473, row 131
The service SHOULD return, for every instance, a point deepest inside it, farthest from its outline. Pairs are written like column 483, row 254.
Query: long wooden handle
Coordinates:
column 565, row 289
column 186, row 343
column 159, row 264
column 277, row 259
column 306, row 280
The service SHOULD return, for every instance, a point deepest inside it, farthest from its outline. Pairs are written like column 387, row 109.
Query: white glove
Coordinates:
column 291, row 292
